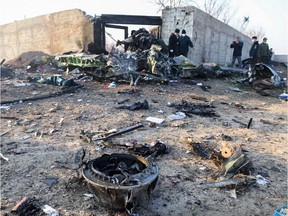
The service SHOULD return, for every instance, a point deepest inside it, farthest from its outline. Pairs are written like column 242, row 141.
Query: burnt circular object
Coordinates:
column 121, row 181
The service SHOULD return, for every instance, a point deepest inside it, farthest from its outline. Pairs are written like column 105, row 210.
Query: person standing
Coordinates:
column 173, row 44
column 264, row 51
column 253, row 53
column 237, row 52
column 184, row 43
column 271, row 53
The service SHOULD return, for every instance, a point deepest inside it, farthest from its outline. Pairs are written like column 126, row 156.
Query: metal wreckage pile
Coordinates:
column 131, row 178
column 122, row 181
column 146, row 58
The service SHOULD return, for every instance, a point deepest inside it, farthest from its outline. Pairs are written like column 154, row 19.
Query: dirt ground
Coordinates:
column 41, row 140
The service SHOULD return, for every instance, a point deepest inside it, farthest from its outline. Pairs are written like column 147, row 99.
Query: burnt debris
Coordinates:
column 121, row 181
column 136, row 106
column 189, row 109
column 158, row 148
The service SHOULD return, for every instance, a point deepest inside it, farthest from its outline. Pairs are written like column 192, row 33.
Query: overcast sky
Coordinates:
column 270, row 15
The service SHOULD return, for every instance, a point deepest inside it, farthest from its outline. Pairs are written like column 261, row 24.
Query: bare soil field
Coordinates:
column 41, row 139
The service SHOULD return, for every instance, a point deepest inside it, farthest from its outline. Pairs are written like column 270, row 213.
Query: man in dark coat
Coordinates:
column 237, row 52
column 253, row 53
column 184, row 43
column 173, row 44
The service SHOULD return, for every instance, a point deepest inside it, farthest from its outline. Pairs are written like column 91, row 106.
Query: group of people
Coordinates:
column 179, row 44
column 258, row 52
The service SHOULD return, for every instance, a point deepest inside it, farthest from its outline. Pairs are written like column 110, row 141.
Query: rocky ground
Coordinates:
column 41, row 140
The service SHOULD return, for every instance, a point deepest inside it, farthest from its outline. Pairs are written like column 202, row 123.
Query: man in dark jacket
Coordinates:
column 237, row 52
column 184, row 43
column 253, row 53
column 173, row 44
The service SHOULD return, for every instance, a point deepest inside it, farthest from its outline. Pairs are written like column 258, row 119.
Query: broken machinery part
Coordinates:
column 121, row 181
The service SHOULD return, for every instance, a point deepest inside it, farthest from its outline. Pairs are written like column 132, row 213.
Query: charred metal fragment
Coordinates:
column 105, row 135
column 230, row 159
column 54, row 80
column 141, row 39
column 136, row 106
column 5, row 72
column 249, row 123
column 53, row 94
column 204, row 110
column 262, row 77
column 157, row 149
column 238, row 163
column 2, row 62
column 121, row 181
column 81, row 60
column 201, row 150
column 130, row 91
column 27, row 206
column 230, row 182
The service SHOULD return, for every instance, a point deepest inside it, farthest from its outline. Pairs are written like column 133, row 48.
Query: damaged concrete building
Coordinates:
column 74, row 31
column 53, row 33
column 211, row 37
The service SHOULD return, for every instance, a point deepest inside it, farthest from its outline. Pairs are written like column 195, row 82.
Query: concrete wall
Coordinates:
column 53, row 33
column 72, row 30
column 211, row 37
column 280, row 58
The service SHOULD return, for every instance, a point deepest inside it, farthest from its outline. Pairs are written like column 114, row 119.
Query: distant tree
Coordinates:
column 220, row 9
column 170, row 3
column 259, row 32
column 214, row 7
column 242, row 26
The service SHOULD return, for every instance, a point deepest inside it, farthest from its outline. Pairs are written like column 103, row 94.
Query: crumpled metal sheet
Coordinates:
column 147, row 60
column 81, row 60
column 122, row 61
column 263, row 76
column 142, row 40
column 53, row 80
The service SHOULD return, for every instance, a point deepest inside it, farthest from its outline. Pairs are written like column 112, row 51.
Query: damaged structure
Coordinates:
column 146, row 53
column 53, row 33
column 65, row 31
column 210, row 36
column 74, row 31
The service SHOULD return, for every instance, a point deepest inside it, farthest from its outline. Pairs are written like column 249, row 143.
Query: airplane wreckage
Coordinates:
column 122, row 181
column 146, row 58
